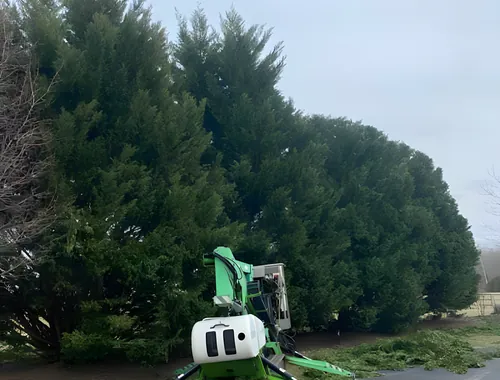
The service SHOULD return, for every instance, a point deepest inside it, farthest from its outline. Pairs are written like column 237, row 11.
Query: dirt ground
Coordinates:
column 305, row 342
column 312, row 341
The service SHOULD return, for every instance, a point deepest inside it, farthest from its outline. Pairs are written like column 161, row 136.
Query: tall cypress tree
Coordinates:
column 124, row 272
column 162, row 157
column 391, row 207
column 266, row 147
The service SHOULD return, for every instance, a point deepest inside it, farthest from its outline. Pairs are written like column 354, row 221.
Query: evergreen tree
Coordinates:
column 266, row 148
column 456, row 258
column 393, row 217
column 332, row 199
column 141, row 208
column 161, row 157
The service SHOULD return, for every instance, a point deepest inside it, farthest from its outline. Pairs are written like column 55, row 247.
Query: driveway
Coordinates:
column 490, row 372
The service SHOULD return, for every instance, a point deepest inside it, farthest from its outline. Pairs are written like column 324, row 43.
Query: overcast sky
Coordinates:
column 425, row 72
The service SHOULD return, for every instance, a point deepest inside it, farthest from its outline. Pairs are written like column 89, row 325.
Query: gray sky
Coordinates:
column 425, row 72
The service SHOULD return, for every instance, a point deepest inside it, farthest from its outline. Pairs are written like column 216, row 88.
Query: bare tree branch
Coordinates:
column 491, row 190
column 26, row 206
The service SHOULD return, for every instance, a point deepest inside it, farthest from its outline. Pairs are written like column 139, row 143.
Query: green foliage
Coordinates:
column 80, row 347
column 17, row 353
column 140, row 208
column 165, row 151
column 430, row 349
column 337, row 201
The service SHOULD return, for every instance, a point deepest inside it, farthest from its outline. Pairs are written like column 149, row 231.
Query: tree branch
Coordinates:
column 27, row 207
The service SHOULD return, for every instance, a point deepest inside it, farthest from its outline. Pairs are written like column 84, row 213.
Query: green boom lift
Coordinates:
column 247, row 339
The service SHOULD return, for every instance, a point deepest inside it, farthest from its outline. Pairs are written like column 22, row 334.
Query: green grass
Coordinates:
column 456, row 350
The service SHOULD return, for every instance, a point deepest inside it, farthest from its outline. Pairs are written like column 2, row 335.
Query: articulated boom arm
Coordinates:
column 231, row 279
column 247, row 340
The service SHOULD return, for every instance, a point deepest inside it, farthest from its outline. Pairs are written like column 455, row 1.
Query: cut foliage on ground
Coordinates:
column 456, row 350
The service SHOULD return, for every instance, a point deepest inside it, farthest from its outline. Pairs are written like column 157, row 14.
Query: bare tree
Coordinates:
column 491, row 189
column 26, row 206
